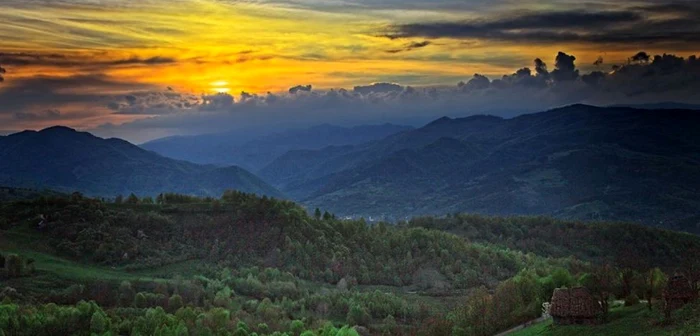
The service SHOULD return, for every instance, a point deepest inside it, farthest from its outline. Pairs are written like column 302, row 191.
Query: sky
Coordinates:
column 152, row 68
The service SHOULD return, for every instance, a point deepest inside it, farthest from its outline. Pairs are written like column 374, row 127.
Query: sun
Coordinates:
column 220, row 86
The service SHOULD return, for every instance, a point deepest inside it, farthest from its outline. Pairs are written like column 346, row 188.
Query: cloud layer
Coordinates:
column 143, row 69
column 671, row 23
column 537, row 87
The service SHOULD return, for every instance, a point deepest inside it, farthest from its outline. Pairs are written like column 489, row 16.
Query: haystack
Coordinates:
column 574, row 306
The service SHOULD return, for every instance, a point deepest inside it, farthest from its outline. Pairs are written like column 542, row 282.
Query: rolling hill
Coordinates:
column 580, row 162
column 63, row 159
column 255, row 152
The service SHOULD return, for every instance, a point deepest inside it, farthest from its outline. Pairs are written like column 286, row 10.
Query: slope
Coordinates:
column 254, row 152
column 66, row 160
column 579, row 162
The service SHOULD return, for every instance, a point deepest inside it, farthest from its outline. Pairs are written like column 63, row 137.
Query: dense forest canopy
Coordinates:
column 243, row 264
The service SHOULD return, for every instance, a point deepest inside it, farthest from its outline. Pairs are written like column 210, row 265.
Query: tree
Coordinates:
column 296, row 327
column 327, row 216
column 140, row 300
column 15, row 266
column 99, row 323
column 2, row 72
column 602, row 284
column 175, row 303
column 132, row 199
column 691, row 268
column 655, row 280
column 119, row 199
column 317, row 214
column 357, row 315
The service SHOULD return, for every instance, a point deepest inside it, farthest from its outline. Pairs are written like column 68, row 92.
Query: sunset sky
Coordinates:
column 149, row 68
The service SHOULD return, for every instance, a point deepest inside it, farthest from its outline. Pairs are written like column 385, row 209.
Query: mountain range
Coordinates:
column 576, row 162
column 64, row 159
column 255, row 152
column 580, row 162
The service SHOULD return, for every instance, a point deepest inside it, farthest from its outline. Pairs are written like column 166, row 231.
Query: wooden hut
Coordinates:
column 574, row 306
column 678, row 293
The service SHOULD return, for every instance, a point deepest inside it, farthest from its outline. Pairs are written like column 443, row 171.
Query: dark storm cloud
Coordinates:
column 631, row 26
column 45, row 59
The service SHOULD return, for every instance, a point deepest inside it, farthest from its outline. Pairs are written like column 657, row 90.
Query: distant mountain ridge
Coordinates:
column 66, row 160
column 579, row 162
column 255, row 152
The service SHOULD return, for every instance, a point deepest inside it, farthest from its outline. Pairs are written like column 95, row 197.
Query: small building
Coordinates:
column 574, row 306
column 678, row 293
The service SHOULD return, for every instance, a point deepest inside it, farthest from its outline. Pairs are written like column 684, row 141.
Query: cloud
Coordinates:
column 410, row 46
column 165, row 111
column 640, row 57
column 300, row 88
column 162, row 102
column 217, row 101
column 628, row 26
column 663, row 78
column 21, row 93
column 50, row 114
column 565, row 68
column 78, row 60
column 598, row 61
column 378, row 88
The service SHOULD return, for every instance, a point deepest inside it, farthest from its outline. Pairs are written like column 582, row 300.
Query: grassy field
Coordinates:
column 624, row 321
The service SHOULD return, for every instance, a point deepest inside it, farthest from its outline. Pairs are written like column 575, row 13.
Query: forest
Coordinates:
column 248, row 265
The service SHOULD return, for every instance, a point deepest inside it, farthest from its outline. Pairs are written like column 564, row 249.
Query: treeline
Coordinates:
column 275, row 233
column 268, row 300
column 519, row 299
column 264, row 260
column 87, row 318
column 622, row 244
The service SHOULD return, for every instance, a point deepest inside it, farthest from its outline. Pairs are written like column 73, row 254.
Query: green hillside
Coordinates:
column 635, row 320
column 214, row 266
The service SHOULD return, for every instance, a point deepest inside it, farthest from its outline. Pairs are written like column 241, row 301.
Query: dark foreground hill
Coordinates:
column 255, row 152
column 579, row 162
column 63, row 159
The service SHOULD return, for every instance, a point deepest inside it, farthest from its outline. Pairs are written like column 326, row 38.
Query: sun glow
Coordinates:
column 220, row 86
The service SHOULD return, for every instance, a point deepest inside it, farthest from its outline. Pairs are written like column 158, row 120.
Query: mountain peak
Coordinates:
column 440, row 121
column 58, row 128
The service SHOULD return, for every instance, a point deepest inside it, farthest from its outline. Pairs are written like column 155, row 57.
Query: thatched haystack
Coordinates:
column 574, row 306
column 678, row 293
